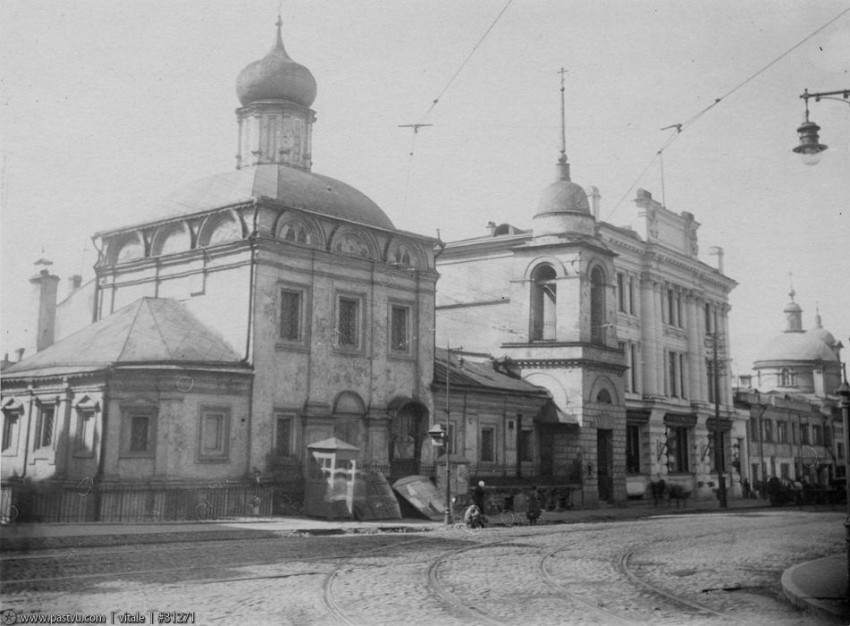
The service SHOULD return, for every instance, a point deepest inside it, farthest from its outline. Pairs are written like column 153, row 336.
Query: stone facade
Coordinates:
column 618, row 326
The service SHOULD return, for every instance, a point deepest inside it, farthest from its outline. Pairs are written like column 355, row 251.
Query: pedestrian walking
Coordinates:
column 533, row 510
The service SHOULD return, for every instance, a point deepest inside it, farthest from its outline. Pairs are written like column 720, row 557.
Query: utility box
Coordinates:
column 331, row 473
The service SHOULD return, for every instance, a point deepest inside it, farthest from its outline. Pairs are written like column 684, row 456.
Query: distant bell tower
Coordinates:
column 275, row 119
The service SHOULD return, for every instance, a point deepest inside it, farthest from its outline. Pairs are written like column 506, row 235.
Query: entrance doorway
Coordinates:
column 605, row 464
column 408, row 431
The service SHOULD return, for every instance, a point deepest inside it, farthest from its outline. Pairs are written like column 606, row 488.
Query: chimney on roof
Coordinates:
column 45, row 287
column 74, row 283
column 718, row 252
column 594, row 196
column 20, row 353
column 491, row 228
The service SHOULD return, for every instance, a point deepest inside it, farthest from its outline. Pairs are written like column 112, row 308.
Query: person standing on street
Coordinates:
column 533, row 510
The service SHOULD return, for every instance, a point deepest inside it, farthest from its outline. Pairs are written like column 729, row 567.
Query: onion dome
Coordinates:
column 276, row 77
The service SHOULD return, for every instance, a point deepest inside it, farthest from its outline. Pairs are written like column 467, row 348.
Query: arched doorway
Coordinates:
column 408, row 431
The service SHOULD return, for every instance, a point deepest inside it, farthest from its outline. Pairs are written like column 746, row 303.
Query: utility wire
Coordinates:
column 681, row 127
column 466, row 60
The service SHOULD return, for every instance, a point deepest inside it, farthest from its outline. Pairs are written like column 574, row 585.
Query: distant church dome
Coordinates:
column 276, row 77
column 821, row 333
column 796, row 344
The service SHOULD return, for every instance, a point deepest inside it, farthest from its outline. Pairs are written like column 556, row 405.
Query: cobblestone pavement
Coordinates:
column 717, row 568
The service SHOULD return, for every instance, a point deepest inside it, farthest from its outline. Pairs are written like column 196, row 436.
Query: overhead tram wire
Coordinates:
column 690, row 121
column 435, row 101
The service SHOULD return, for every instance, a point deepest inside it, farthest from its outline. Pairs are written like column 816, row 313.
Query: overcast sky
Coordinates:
column 107, row 105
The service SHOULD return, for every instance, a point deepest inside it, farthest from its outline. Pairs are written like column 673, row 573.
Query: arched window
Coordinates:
column 544, row 298
column 295, row 231
column 603, row 397
column 172, row 239
column 598, row 324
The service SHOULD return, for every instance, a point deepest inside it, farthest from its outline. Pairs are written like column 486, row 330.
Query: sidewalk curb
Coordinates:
column 831, row 607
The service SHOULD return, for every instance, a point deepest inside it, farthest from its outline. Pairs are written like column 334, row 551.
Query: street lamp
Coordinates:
column 810, row 147
column 440, row 437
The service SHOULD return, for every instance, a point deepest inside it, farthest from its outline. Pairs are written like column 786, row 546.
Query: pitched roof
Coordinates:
column 475, row 374
column 149, row 330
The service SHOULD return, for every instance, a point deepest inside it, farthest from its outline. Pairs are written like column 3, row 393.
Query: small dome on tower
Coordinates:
column 563, row 196
column 276, row 77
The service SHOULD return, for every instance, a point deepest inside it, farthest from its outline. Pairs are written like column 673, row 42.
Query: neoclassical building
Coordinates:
column 796, row 431
column 618, row 325
column 235, row 323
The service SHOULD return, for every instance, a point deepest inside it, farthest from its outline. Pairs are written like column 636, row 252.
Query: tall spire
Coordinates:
column 563, row 168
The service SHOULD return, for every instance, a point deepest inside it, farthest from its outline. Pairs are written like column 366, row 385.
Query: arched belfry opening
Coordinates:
column 544, row 299
column 598, row 322
column 407, row 433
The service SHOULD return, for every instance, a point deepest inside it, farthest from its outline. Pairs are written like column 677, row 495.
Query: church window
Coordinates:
column 283, row 435
column 544, row 296
column 399, row 329
column 291, row 310
column 214, row 434
column 138, row 432
column 348, row 321
column 11, row 424
column 85, row 433
column 44, row 427
column 598, row 322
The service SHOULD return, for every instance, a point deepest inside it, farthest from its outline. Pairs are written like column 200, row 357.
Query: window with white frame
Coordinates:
column 45, row 424
column 214, row 433
column 675, row 374
column 781, row 431
column 399, row 329
column 291, row 315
